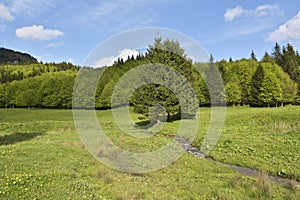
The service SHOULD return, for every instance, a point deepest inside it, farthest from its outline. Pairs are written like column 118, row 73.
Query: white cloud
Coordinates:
column 5, row 13
column 37, row 32
column 106, row 61
column 123, row 54
column 259, row 11
column 264, row 10
column 231, row 14
column 127, row 52
column 289, row 30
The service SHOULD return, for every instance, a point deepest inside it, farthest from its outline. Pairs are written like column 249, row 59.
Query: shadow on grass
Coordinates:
column 18, row 137
column 143, row 123
column 147, row 123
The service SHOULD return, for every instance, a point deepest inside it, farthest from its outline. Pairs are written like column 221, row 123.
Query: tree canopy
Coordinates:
column 272, row 81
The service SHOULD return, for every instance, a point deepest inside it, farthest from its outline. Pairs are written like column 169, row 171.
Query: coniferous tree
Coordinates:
column 256, row 86
column 267, row 58
column 214, row 83
column 163, row 55
column 277, row 55
column 253, row 56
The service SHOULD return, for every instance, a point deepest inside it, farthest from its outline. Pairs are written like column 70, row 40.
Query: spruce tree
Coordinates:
column 256, row 85
column 253, row 56
column 277, row 55
column 162, row 55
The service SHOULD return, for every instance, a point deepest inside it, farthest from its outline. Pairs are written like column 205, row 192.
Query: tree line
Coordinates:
column 272, row 81
column 9, row 73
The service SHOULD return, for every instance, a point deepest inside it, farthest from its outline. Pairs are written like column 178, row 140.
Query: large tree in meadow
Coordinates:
column 164, row 55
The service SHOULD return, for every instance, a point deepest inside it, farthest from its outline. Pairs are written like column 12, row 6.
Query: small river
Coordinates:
column 186, row 144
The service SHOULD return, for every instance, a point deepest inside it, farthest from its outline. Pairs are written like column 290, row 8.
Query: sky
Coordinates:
column 69, row 30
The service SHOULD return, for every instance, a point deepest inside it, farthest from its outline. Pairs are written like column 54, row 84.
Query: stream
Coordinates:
column 246, row 171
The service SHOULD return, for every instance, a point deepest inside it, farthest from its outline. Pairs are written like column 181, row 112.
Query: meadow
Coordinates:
column 42, row 157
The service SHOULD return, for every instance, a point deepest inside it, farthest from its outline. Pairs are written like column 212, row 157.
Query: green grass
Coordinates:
column 267, row 139
column 42, row 157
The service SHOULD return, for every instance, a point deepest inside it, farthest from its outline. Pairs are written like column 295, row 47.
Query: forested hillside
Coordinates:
column 272, row 81
column 9, row 73
column 8, row 56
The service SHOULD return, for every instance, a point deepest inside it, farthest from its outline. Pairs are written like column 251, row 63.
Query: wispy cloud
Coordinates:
column 231, row 14
column 3, row 28
column 30, row 7
column 5, row 13
column 50, row 45
column 101, row 10
column 245, row 22
column 260, row 11
column 37, row 32
column 290, row 30
column 120, row 15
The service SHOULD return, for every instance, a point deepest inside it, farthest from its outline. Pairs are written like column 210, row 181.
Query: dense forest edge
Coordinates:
column 8, row 56
column 272, row 81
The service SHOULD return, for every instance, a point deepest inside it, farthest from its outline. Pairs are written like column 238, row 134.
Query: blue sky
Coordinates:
column 65, row 30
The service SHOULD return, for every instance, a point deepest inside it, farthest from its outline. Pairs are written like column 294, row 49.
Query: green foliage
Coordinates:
column 270, row 91
column 166, row 54
column 201, row 90
column 244, row 79
column 288, row 86
column 214, row 83
column 270, row 85
column 233, row 93
column 104, row 101
column 50, row 85
column 256, row 86
column 9, row 73
column 289, row 60
column 241, row 73
column 267, row 58
column 52, row 90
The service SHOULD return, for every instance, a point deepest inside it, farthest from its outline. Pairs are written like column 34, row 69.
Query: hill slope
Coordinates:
column 8, row 56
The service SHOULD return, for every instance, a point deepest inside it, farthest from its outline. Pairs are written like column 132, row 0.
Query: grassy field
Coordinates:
column 267, row 139
column 42, row 157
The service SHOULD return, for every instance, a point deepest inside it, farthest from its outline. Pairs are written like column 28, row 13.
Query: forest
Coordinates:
column 272, row 81
column 8, row 56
